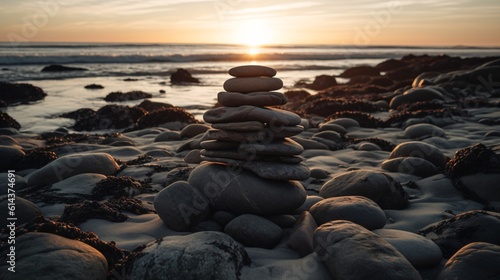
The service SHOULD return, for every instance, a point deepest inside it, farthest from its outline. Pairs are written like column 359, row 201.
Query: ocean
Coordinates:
column 150, row 65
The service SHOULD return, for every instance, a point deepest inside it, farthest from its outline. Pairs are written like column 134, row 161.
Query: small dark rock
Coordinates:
column 295, row 95
column 109, row 117
column 61, row 68
column 364, row 119
column 163, row 116
column 94, row 86
column 130, row 80
column 151, row 106
column 20, row 93
column 182, row 76
column 360, row 71
column 320, row 82
column 119, row 96
column 7, row 121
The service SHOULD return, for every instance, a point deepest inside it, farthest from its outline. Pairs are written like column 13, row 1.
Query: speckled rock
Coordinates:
column 201, row 255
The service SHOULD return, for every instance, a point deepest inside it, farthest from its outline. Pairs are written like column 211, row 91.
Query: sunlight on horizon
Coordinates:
column 254, row 33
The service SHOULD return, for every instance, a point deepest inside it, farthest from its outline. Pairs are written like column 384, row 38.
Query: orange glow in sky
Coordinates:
column 254, row 22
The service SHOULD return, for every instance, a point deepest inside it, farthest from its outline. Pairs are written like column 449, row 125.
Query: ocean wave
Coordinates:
column 177, row 58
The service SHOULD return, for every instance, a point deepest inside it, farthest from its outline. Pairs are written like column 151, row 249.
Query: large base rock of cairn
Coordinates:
column 251, row 166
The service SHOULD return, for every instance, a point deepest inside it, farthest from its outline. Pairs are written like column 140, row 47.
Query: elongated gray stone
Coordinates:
column 252, row 84
column 240, row 126
column 262, row 136
column 273, row 117
column 251, row 71
column 269, row 170
column 259, row 99
column 240, row 155
column 287, row 147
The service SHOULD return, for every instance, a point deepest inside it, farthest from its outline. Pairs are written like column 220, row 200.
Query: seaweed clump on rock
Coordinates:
column 470, row 160
column 40, row 224
column 364, row 119
column 164, row 116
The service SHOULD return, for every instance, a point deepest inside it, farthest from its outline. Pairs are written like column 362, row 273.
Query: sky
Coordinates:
column 254, row 22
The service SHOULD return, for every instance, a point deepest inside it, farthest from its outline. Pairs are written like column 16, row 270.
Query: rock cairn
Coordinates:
column 248, row 183
column 248, row 134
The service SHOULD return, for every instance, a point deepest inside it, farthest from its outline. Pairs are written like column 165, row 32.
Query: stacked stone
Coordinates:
column 251, row 169
column 248, row 134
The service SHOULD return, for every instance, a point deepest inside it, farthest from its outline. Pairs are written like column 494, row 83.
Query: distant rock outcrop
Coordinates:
column 119, row 96
column 61, row 68
column 182, row 76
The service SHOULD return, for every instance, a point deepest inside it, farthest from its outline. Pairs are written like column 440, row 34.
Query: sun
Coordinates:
column 254, row 33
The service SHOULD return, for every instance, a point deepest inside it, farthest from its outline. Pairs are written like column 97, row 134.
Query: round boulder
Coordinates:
column 424, row 130
column 48, row 256
column 254, row 231
column 477, row 260
column 242, row 192
column 357, row 209
column 201, row 255
column 181, row 206
column 420, row 150
column 410, row 165
column 379, row 187
column 418, row 250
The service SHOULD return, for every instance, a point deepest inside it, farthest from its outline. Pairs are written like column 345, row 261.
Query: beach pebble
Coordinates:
column 254, row 231
column 423, row 130
column 344, row 122
column 194, row 156
column 179, row 257
column 243, row 192
column 223, row 217
column 259, row 99
column 251, row 113
column 71, row 165
column 252, row 84
column 301, row 236
column 219, row 145
column 471, row 226
column 357, row 209
column 308, row 203
column 48, row 256
column 9, row 153
column 329, row 135
column 81, row 184
column 418, row 250
column 318, row 173
column 269, row 170
column 240, row 126
column 368, row 146
column 25, row 210
column 477, row 260
column 415, row 95
column 181, row 206
column 351, row 252
column 420, row 150
column 481, row 186
column 309, row 144
column 251, row 71
column 208, row 226
column 379, row 187
column 410, row 165
column 333, row 127
column 168, row 136
column 193, row 130
column 285, row 147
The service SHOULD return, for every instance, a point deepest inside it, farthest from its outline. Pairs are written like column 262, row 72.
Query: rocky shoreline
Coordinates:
column 390, row 175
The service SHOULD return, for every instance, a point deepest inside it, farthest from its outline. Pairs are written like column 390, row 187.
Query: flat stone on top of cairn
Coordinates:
column 252, row 71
